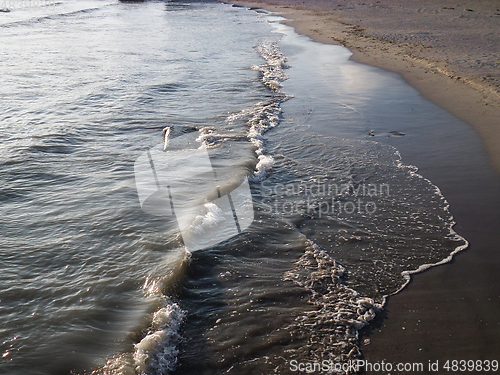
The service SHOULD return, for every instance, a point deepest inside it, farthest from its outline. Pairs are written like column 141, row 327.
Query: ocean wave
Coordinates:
column 262, row 116
column 265, row 116
column 157, row 351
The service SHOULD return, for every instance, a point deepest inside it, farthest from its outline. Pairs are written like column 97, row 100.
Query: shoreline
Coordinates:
column 448, row 311
column 470, row 96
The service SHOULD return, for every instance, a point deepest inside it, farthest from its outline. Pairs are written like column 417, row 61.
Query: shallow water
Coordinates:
column 91, row 283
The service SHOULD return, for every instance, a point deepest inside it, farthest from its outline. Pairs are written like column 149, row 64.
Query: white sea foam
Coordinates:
column 210, row 138
column 156, row 352
column 212, row 217
column 413, row 170
column 273, row 70
column 263, row 168
column 158, row 349
column 262, row 116
column 340, row 311
column 265, row 116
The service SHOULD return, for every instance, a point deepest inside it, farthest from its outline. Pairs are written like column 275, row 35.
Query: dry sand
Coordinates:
column 450, row 52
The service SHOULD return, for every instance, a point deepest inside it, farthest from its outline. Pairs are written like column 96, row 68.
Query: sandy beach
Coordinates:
column 448, row 51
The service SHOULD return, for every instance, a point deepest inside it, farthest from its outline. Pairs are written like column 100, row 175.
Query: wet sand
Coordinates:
column 450, row 312
column 449, row 52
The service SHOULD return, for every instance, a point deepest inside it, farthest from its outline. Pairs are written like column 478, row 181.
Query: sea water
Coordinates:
column 93, row 284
